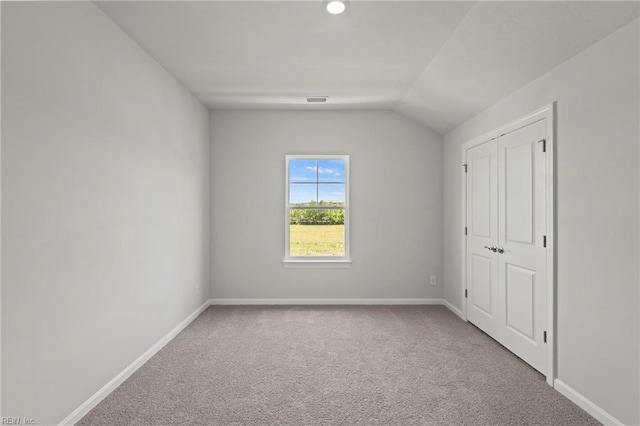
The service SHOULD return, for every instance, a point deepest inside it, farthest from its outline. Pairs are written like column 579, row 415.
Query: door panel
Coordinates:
column 482, row 220
column 520, row 289
column 481, row 202
column 522, row 211
column 482, row 284
column 519, row 175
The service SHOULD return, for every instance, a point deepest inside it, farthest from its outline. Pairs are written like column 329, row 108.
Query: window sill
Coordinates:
column 317, row 263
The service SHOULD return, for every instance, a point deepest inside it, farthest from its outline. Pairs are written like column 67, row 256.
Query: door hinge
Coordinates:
column 465, row 230
column 466, row 293
column 544, row 241
column 544, row 336
column 544, row 144
column 465, row 168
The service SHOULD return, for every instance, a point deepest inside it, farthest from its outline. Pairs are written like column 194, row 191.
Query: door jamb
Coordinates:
column 547, row 112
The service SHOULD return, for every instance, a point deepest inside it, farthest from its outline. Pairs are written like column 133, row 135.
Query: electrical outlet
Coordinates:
column 433, row 280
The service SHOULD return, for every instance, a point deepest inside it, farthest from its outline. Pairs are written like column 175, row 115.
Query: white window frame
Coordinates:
column 316, row 261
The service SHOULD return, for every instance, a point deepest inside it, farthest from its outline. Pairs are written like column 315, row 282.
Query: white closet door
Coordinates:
column 522, row 228
column 506, row 267
column 482, row 235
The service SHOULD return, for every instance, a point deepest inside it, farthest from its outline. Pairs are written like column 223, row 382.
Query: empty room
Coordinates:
column 312, row 212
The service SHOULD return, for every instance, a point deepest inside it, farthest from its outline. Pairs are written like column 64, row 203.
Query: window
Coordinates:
column 317, row 210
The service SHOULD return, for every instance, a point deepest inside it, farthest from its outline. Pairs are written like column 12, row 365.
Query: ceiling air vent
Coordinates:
column 317, row 99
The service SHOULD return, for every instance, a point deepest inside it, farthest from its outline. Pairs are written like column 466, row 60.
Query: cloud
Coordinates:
column 322, row 170
column 301, row 179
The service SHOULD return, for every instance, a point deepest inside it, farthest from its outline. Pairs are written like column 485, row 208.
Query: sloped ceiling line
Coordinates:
column 500, row 47
column 436, row 62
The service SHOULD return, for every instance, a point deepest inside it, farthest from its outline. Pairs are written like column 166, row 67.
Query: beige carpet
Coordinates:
column 334, row 365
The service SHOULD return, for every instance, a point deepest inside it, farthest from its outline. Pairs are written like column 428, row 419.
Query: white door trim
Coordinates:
column 547, row 112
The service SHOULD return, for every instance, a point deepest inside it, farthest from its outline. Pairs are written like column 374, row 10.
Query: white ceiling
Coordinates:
column 437, row 62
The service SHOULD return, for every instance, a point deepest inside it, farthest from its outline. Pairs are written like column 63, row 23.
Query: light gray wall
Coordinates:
column 597, row 215
column 396, row 204
column 105, row 186
column 0, row 215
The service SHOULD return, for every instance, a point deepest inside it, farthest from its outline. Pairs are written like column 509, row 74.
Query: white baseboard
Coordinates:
column 441, row 302
column 581, row 401
column 325, row 301
column 453, row 309
column 90, row 403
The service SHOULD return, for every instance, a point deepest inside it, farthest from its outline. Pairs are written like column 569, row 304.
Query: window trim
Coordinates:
column 317, row 261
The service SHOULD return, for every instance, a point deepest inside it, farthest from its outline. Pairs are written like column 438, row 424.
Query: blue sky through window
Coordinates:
column 316, row 180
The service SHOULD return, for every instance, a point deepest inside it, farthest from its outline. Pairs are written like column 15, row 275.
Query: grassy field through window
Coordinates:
column 316, row 240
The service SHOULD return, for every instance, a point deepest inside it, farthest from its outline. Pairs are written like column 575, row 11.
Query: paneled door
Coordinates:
column 521, row 242
column 506, row 240
column 482, row 236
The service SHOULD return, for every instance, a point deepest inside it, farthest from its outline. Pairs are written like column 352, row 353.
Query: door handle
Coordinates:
column 500, row 250
column 493, row 249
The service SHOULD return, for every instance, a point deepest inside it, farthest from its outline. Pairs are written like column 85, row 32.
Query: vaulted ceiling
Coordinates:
column 437, row 62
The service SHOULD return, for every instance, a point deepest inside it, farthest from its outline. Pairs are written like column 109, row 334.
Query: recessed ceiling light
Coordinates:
column 336, row 7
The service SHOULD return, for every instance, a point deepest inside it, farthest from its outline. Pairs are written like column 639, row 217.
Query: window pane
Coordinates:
column 302, row 170
column 316, row 232
column 331, row 171
column 302, row 194
column 331, row 193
